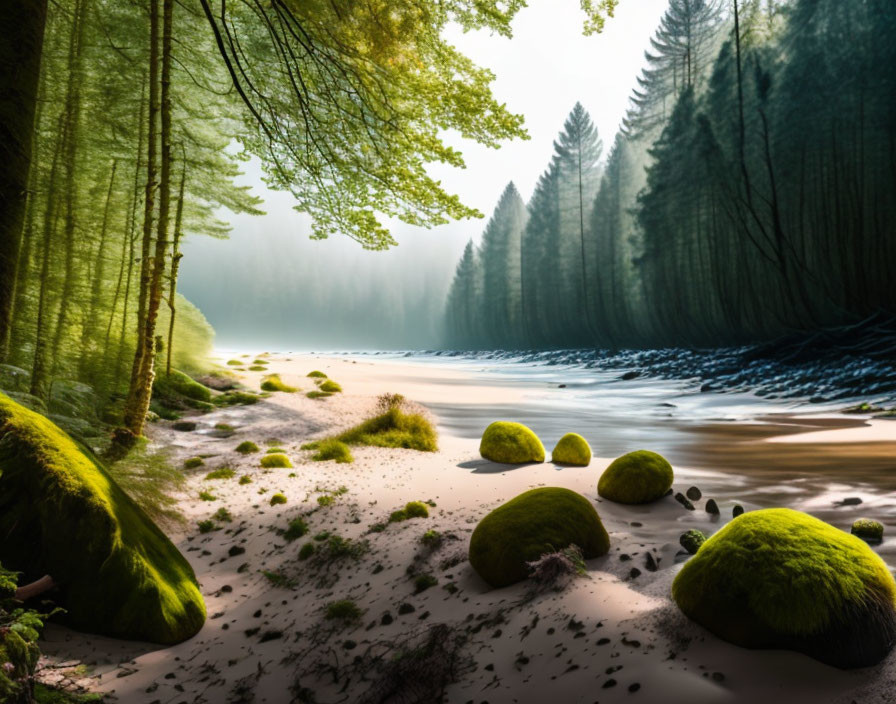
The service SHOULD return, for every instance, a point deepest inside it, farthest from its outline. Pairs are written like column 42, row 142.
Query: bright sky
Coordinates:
column 541, row 72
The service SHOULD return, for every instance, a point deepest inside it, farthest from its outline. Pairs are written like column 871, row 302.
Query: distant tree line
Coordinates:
column 748, row 194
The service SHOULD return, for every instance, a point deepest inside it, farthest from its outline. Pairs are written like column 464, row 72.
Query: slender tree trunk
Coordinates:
column 141, row 385
column 21, row 47
column 175, row 264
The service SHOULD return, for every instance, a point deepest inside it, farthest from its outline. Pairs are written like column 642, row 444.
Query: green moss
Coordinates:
column 316, row 375
column 333, row 450
column 247, row 447
column 534, row 523
column 867, row 529
column 193, row 463
column 273, row 382
column 234, row 362
column 179, row 384
column 778, row 578
column 207, row 526
column 318, row 394
column 330, row 387
column 422, row 582
column 207, row 496
column 222, row 514
column 306, row 551
column 62, row 514
column 510, row 443
column 258, row 368
column 47, row 695
column 416, row 509
column 692, row 540
column 278, row 498
column 236, row 398
column 343, row 610
column 221, row 473
column 636, row 478
column 572, row 449
column 393, row 428
column 276, row 460
column 431, row 539
column 274, row 450
column 245, row 479
column 296, row 529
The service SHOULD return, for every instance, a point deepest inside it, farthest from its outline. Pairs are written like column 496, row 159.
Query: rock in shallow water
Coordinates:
column 868, row 529
column 692, row 540
column 683, row 500
column 636, row 478
column 712, row 507
column 694, row 494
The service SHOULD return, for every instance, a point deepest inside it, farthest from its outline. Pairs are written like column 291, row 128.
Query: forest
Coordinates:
column 748, row 195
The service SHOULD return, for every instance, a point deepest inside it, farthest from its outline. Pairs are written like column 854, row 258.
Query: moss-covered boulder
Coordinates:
column 510, row 443
column 779, row 578
column 62, row 514
column 868, row 529
column 572, row 449
column 636, row 478
column 536, row 522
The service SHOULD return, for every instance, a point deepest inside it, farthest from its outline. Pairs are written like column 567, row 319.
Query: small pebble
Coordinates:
column 694, row 494
column 712, row 507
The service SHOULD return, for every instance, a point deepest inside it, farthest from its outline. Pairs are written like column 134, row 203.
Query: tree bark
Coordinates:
column 175, row 265
column 21, row 47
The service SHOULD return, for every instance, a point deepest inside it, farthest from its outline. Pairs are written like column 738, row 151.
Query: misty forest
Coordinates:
column 295, row 295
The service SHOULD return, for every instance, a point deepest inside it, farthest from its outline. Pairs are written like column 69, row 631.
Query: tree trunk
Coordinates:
column 175, row 264
column 21, row 46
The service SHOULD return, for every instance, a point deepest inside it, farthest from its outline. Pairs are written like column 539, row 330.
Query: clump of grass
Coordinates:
column 225, row 427
column 318, row 394
column 387, row 401
column 276, row 460
column 245, row 479
column 247, row 447
column 273, row 382
column 278, row 498
column 432, row 539
column 394, row 428
column 296, row 529
column 223, row 515
column 342, row 610
column 422, row 582
column 333, row 450
column 413, row 509
column 193, row 462
column 258, row 368
column 555, row 570
column 306, row 551
column 330, row 387
column 151, row 479
column 235, row 398
column 207, row 496
column 207, row 526
column 326, row 500
column 234, row 362
column 279, row 580
column 221, row 473
column 335, row 547
column 274, row 450
column 317, row 375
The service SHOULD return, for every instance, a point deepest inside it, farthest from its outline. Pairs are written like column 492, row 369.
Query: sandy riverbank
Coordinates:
column 611, row 637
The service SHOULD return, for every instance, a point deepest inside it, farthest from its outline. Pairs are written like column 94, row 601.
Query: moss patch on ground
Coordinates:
column 247, row 447
column 330, row 387
column 572, row 449
column 276, row 460
column 394, row 428
column 62, row 514
column 316, row 375
column 636, row 478
column 273, row 382
column 333, row 450
column 318, row 394
column 278, row 498
column 221, row 473
column 535, row 523
column 779, row 578
column 510, row 443
column 236, row 398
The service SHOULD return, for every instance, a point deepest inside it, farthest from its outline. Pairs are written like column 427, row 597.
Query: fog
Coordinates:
column 269, row 286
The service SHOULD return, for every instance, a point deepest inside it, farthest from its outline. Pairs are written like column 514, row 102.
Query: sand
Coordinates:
column 609, row 637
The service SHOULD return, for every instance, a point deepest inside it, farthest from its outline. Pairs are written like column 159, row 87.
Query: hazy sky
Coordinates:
column 541, row 72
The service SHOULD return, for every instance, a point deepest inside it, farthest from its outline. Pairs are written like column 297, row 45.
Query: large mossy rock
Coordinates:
column 572, row 449
column 779, row 578
column 636, row 478
column 62, row 514
column 510, row 443
column 536, row 522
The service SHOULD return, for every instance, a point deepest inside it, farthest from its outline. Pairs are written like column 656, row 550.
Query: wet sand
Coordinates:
column 611, row 637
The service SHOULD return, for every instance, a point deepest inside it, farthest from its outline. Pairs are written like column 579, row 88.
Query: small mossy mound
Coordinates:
column 868, row 529
column 333, row 450
column 247, row 447
column 193, row 462
column 221, row 473
column 330, row 387
column 416, row 509
column 276, row 460
column 62, row 514
column 178, row 391
column 394, row 428
column 234, row 362
column 691, row 540
column 258, row 368
column 636, row 478
column 535, row 523
column 273, row 382
column 318, row 394
column 278, row 498
column 236, row 398
column 316, row 375
column 779, row 578
column 510, row 443
column 572, row 449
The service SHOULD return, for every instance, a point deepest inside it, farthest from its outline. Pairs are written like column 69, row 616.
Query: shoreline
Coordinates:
column 552, row 646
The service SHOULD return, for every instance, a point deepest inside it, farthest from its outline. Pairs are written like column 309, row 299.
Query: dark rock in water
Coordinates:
column 692, row 540
column 737, row 510
column 561, row 386
column 650, row 563
column 625, row 557
column 849, row 501
column 712, row 507
column 683, row 500
column 868, row 530
column 694, row 494
column 635, row 572
column 668, row 493
column 628, row 376
column 184, row 426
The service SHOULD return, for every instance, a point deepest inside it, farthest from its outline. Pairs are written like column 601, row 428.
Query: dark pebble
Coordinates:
column 634, row 573
column 609, row 683
column 650, row 563
column 683, row 500
column 386, row 619
column 737, row 510
column 712, row 507
column 634, row 687
column 694, row 494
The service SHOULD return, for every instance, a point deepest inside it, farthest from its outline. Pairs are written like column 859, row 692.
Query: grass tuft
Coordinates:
column 333, row 450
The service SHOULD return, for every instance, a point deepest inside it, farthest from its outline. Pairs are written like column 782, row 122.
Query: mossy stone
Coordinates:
column 779, row 578
column 276, row 460
column 510, row 443
column 62, row 514
column 536, row 522
column 572, row 449
column 691, row 540
column 868, row 529
column 636, row 478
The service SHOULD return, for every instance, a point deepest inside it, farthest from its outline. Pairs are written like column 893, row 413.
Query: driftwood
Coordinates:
column 36, row 588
